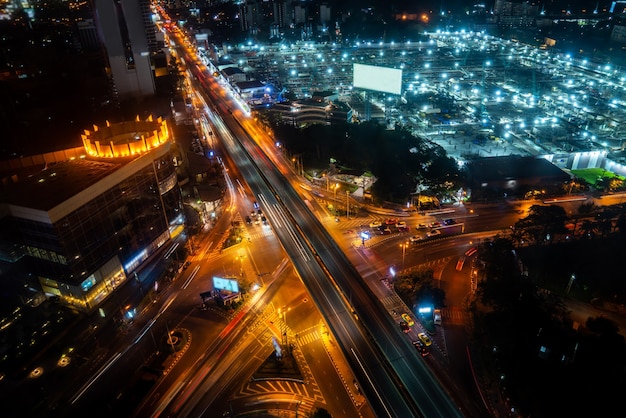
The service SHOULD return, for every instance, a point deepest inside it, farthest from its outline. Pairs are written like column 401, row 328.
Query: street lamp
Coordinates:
column 347, row 204
column 283, row 313
column 240, row 257
column 404, row 246
column 336, row 187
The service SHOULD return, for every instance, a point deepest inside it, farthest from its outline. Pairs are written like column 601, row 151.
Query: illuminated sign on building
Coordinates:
column 225, row 284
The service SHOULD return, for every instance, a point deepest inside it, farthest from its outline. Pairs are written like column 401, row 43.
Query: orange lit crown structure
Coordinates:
column 125, row 139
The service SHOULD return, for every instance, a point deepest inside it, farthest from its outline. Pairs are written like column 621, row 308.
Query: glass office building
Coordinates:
column 88, row 217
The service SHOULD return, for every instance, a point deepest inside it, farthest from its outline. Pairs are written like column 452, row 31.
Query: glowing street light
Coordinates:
column 404, row 246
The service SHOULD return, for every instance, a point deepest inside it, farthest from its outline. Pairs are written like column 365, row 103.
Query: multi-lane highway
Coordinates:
column 395, row 380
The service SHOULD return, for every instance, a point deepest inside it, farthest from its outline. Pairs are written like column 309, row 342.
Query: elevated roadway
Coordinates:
column 394, row 379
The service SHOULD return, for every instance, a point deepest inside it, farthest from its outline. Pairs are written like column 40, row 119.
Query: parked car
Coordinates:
column 425, row 339
column 376, row 224
column 433, row 233
column 437, row 316
column 407, row 318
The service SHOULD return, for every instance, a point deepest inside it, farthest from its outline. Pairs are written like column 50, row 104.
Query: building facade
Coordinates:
column 87, row 218
column 129, row 36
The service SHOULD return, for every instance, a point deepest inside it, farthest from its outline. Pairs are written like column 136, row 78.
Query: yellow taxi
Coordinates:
column 408, row 319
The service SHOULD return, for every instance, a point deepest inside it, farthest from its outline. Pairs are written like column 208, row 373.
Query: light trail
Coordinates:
column 191, row 277
column 93, row 380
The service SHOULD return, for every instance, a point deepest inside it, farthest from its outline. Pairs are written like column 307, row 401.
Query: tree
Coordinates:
column 588, row 227
column 584, row 209
column 321, row 413
column 544, row 222
column 604, row 219
column 418, row 288
column 620, row 225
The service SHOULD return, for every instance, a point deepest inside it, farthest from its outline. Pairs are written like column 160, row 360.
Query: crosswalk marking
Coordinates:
column 308, row 338
column 454, row 315
column 260, row 233
column 390, row 301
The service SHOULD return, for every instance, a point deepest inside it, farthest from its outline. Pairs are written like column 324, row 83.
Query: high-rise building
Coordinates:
column 82, row 220
column 129, row 36
column 87, row 35
column 283, row 13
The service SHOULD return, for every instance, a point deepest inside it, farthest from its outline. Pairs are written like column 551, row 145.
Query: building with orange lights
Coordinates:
column 80, row 221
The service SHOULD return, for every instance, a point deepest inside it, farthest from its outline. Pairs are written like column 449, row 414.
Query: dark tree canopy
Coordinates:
column 397, row 158
column 548, row 367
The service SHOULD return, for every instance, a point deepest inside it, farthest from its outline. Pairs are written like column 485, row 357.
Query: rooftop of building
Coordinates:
column 43, row 181
column 232, row 71
column 43, row 186
column 513, row 167
column 251, row 84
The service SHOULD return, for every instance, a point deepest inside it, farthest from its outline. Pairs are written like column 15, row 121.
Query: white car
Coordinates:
column 416, row 238
column 376, row 224
column 401, row 224
column 433, row 233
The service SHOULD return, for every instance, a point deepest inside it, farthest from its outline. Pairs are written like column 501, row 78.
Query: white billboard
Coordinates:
column 225, row 284
column 371, row 77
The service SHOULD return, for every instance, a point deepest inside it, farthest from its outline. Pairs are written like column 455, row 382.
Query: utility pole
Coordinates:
column 569, row 284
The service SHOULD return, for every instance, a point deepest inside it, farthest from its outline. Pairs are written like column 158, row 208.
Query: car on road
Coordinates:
column 433, row 233
column 405, row 327
column 449, row 222
column 400, row 224
column 422, row 226
column 391, row 221
column 407, row 318
column 376, row 224
column 425, row 339
column 416, row 238
column 434, row 224
column 421, row 347
column 437, row 316
column 385, row 231
column 186, row 265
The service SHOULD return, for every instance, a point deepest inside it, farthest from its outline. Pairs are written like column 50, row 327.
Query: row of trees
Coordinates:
column 545, row 224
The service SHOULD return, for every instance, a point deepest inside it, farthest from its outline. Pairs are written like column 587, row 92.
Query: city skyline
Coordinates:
column 138, row 200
